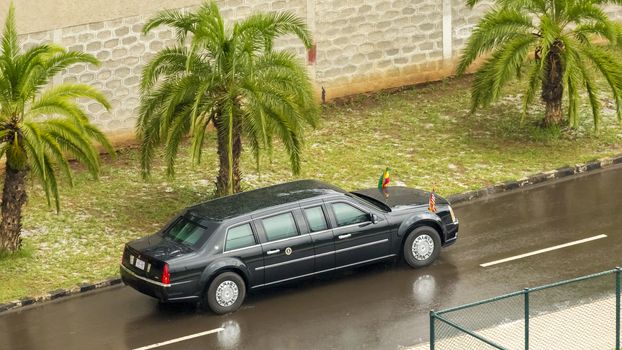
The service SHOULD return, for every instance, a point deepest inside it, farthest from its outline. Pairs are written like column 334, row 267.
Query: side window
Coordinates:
column 348, row 215
column 279, row 227
column 239, row 237
column 316, row 219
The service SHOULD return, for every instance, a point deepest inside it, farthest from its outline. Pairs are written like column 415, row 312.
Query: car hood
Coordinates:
column 396, row 197
column 159, row 248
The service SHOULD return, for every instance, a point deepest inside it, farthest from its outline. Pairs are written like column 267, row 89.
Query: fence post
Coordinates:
column 526, row 293
column 432, row 339
column 618, row 270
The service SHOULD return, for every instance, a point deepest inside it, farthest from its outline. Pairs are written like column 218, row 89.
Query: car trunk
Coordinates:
column 146, row 256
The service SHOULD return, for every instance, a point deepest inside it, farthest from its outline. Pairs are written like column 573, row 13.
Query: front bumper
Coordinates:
column 451, row 233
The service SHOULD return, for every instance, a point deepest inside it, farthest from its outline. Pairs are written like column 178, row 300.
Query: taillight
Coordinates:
column 166, row 277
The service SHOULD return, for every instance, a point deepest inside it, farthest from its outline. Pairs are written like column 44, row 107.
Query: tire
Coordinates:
column 422, row 247
column 221, row 295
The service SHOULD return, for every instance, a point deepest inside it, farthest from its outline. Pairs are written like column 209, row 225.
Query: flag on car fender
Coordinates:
column 432, row 202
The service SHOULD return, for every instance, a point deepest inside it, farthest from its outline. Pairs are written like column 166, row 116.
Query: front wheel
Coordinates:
column 226, row 293
column 422, row 246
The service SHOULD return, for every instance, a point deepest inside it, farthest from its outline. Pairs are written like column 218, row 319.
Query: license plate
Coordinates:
column 140, row 264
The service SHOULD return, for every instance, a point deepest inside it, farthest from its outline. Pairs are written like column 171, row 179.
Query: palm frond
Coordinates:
column 57, row 61
column 34, row 148
column 98, row 136
column 582, row 11
column 534, row 80
column 611, row 68
column 166, row 63
column 182, row 23
column 492, row 32
column 264, row 28
column 210, row 32
column 43, row 109
column 200, row 124
column 10, row 41
column 52, row 184
column 574, row 77
column 73, row 141
column 70, row 92
column 608, row 29
column 498, row 70
column 177, row 130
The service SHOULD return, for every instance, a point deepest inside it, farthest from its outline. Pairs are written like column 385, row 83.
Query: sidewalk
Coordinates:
column 587, row 326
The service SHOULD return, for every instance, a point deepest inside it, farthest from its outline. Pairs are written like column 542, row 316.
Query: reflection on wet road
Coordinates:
column 380, row 306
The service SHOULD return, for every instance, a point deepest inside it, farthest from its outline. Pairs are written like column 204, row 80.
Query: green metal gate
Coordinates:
column 582, row 313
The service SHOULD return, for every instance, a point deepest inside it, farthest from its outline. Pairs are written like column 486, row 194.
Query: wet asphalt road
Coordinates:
column 382, row 306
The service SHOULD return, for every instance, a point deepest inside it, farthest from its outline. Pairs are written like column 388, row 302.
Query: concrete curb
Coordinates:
column 457, row 198
column 536, row 179
column 59, row 293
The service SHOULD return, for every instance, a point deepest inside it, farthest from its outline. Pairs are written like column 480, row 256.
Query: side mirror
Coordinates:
column 374, row 218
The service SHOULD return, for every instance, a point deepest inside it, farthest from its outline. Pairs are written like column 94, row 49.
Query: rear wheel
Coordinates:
column 422, row 246
column 226, row 293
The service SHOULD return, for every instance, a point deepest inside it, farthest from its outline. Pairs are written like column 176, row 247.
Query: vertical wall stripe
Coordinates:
column 57, row 37
column 311, row 26
column 447, row 30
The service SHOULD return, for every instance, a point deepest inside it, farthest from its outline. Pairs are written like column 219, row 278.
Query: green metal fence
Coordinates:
column 582, row 313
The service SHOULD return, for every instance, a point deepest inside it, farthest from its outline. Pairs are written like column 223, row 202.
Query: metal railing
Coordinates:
column 581, row 313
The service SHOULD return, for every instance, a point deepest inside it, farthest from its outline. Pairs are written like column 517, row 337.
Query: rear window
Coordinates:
column 240, row 237
column 186, row 232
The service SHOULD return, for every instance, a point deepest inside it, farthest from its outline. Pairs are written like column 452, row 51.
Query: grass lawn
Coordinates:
column 424, row 133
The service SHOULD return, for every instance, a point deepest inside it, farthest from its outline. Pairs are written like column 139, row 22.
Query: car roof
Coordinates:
column 244, row 203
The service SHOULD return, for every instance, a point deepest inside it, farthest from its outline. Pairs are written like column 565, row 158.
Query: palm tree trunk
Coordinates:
column 222, row 181
column 13, row 198
column 552, row 87
column 553, row 113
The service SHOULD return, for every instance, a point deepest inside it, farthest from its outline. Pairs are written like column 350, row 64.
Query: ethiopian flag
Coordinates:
column 383, row 181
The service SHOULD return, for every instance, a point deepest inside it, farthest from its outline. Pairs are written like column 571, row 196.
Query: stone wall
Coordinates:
column 123, row 51
column 41, row 15
column 362, row 45
column 368, row 45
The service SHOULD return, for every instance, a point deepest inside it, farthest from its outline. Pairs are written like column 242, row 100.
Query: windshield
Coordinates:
column 369, row 200
column 186, row 232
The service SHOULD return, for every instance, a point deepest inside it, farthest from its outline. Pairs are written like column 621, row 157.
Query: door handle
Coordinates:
column 345, row 236
column 273, row 251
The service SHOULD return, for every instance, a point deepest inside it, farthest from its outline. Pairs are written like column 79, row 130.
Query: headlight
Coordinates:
column 451, row 212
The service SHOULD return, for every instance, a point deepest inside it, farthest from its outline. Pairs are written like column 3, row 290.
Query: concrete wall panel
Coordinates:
column 362, row 45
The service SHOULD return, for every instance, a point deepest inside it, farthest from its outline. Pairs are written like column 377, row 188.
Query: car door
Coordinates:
column 287, row 253
column 315, row 218
column 358, row 239
column 240, row 242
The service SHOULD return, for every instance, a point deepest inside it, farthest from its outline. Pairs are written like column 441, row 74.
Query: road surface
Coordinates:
column 383, row 306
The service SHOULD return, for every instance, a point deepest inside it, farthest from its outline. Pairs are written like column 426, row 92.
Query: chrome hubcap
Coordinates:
column 423, row 247
column 227, row 293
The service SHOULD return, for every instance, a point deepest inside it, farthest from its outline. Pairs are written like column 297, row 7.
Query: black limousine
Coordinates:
column 215, row 251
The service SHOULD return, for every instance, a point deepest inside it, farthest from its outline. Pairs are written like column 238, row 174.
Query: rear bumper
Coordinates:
column 174, row 292
column 144, row 285
column 451, row 233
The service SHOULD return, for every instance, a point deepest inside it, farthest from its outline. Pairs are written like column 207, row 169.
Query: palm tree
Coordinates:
column 556, row 38
column 229, row 77
column 39, row 126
